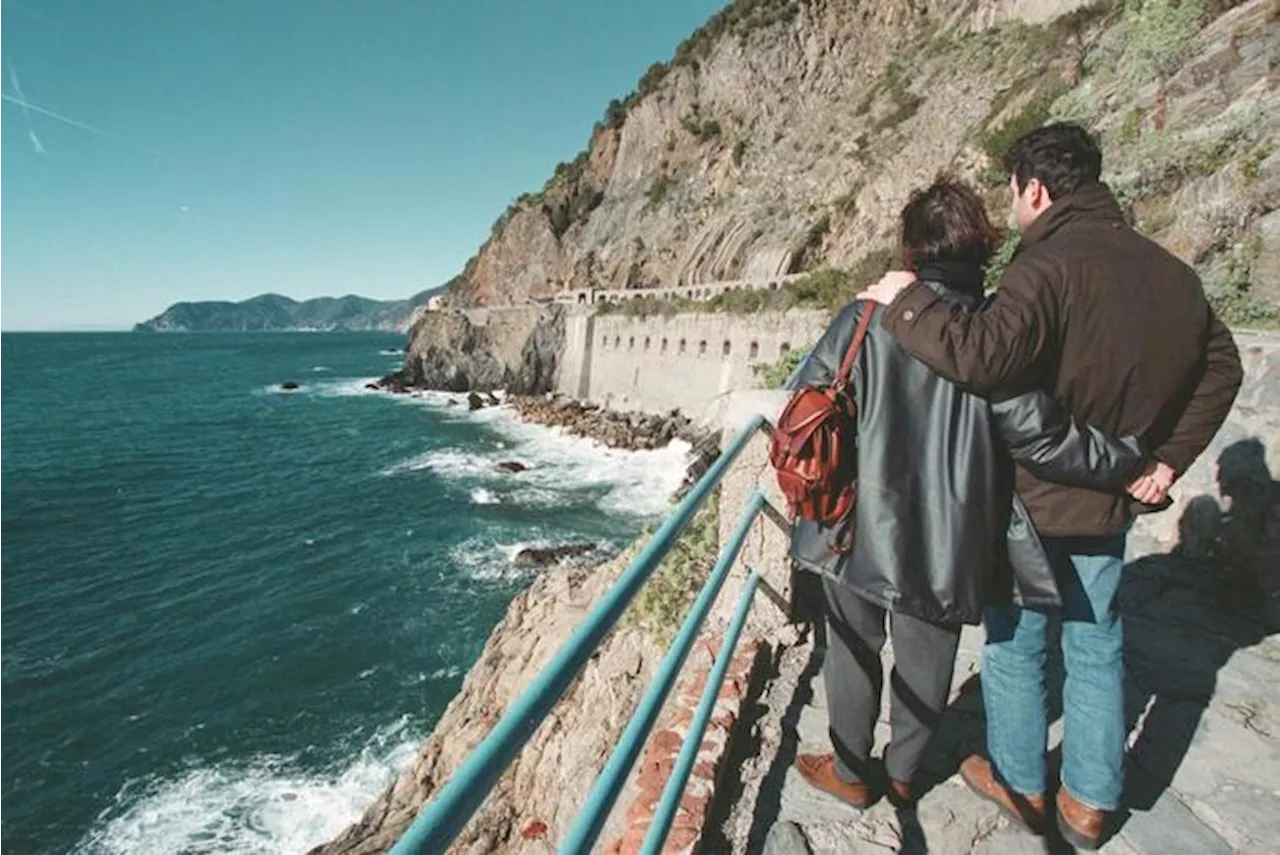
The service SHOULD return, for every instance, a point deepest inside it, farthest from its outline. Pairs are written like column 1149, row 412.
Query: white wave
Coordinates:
column 480, row 559
column 345, row 388
column 277, row 389
column 266, row 805
column 481, row 496
column 320, row 368
column 638, row 483
column 420, row 677
column 448, row 462
column 484, row 560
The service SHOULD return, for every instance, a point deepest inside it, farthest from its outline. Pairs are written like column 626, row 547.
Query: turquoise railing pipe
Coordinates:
column 665, row 812
column 444, row 818
column 595, row 810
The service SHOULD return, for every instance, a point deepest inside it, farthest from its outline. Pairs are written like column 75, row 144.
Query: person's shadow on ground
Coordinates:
column 1186, row 613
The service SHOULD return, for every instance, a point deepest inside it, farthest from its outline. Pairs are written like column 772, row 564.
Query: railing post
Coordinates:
column 600, row 800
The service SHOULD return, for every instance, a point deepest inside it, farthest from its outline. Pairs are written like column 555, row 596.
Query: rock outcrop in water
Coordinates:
column 626, row 430
column 537, row 556
column 481, row 350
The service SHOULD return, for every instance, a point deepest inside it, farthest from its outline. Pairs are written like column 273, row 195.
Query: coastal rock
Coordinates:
column 289, row 386
column 543, row 557
column 394, row 383
column 548, row 782
column 511, row 466
column 474, row 402
column 631, row 431
column 481, row 351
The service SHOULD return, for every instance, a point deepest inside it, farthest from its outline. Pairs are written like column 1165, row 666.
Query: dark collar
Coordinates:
column 1091, row 202
column 959, row 276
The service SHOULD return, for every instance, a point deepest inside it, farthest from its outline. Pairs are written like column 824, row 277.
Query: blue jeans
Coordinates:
column 1013, row 678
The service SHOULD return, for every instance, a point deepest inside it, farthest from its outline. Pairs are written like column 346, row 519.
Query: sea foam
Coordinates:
column 267, row 805
column 636, row 483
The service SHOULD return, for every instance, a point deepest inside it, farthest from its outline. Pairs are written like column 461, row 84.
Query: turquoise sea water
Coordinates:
column 231, row 613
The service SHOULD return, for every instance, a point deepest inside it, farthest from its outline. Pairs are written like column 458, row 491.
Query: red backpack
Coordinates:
column 814, row 446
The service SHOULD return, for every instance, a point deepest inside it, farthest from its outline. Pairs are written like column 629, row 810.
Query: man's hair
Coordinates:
column 946, row 221
column 1063, row 156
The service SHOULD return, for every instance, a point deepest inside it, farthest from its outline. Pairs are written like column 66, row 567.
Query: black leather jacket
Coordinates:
column 938, row 530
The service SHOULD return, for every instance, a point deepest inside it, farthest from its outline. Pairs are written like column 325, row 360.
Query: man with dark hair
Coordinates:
column 1119, row 332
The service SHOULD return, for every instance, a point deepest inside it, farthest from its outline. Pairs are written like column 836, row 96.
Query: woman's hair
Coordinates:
column 947, row 221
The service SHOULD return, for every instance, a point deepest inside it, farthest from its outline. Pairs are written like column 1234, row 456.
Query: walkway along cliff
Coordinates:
column 1202, row 596
column 782, row 139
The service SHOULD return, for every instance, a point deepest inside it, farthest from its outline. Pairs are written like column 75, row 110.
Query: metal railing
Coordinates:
column 447, row 814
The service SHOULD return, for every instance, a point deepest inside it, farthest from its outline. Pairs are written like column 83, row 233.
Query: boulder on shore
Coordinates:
column 542, row 557
column 632, row 431
column 395, row 382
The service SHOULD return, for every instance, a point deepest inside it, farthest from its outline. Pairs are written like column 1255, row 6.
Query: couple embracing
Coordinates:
column 1004, row 445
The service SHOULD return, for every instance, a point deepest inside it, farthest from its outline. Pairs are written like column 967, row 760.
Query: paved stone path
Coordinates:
column 1203, row 693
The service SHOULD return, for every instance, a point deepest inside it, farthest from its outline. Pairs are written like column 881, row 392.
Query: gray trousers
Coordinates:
column 924, row 656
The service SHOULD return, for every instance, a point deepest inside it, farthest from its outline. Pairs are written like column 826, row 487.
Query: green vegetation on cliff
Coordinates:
column 663, row 602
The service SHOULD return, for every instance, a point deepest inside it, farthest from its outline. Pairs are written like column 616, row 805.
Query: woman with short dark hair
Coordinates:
column 937, row 531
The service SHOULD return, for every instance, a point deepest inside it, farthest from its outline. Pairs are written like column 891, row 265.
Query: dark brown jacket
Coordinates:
column 1109, row 323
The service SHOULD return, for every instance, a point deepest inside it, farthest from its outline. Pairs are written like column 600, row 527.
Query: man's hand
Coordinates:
column 889, row 287
column 1152, row 486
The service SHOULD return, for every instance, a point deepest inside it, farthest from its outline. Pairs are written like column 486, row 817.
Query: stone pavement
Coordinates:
column 1203, row 696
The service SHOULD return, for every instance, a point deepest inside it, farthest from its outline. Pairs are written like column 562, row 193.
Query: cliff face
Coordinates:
column 786, row 135
column 514, row 349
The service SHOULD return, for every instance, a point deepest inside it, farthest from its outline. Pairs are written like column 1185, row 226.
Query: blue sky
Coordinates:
column 218, row 149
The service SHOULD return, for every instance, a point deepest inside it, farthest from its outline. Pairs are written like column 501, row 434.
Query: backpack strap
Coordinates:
column 846, row 367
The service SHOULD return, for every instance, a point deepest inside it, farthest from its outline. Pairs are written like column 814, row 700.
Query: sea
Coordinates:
column 232, row 612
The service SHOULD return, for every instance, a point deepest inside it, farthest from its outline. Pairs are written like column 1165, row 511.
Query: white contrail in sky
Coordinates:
column 66, row 120
column 31, row 132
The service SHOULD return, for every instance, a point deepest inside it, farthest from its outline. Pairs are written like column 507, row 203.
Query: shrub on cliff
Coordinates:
column 775, row 374
column 663, row 602
column 1161, row 32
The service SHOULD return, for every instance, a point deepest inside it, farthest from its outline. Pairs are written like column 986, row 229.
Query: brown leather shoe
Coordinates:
column 1079, row 824
column 820, row 771
column 1027, row 811
column 900, row 794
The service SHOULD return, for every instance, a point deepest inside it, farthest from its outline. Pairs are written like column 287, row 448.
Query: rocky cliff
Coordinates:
column 517, row 349
column 784, row 136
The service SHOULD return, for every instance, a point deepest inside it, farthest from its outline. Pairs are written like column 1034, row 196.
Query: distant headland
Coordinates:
column 277, row 313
